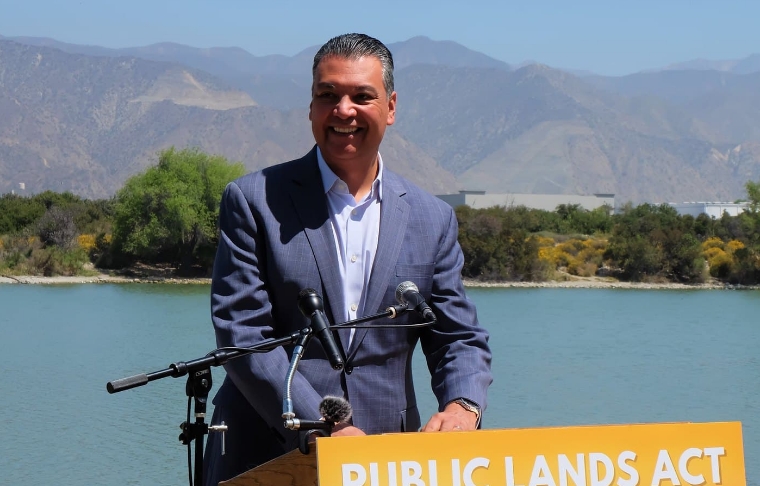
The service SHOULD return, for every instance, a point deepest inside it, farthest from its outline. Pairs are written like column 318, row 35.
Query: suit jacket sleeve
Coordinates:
column 242, row 314
column 456, row 349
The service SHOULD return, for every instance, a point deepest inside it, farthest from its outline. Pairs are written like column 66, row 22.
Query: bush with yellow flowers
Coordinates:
column 86, row 242
column 581, row 257
column 721, row 256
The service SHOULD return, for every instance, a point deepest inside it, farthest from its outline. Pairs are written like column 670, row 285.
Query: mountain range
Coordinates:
column 85, row 118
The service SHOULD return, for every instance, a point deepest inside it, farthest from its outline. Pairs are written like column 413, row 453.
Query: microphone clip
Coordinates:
column 396, row 310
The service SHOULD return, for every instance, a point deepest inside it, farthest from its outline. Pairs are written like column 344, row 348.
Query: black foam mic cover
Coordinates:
column 335, row 409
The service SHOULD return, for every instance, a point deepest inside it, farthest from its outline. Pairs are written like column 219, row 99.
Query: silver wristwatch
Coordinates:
column 470, row 406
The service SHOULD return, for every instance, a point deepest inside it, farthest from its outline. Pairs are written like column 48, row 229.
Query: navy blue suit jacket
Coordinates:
column 276, row 239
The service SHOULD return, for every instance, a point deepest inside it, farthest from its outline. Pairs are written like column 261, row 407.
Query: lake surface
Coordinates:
column 561, row 357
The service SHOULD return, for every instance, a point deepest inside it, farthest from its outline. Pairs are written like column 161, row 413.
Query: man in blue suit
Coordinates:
column 338, row 221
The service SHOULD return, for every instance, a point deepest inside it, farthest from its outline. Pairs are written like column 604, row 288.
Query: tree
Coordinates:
column 649, row 240
column 576, row 219
column 495, row 246
column 169, row 213
column 17, row 212
column 753, row 193
column 56, row 227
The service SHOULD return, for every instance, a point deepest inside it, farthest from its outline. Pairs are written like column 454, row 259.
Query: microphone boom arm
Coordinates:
column 218, row 357
column 390, row 312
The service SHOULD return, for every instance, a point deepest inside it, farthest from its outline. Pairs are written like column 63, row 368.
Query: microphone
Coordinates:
column 408, row 294
column 335, row 409
column 310, row 305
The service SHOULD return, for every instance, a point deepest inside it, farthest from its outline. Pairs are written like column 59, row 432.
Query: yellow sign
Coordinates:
column 674, row 454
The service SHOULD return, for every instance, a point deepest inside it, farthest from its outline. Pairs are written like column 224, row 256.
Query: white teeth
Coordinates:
column 345, row 130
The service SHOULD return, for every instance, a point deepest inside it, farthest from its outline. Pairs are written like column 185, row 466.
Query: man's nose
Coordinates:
column 345, row 108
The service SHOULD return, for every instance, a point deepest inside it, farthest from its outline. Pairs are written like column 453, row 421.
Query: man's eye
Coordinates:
column 325, row 96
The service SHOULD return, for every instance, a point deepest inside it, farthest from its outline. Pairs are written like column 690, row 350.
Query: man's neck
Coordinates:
column 358, row 176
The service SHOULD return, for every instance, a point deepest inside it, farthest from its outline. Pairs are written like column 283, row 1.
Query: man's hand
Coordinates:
column 454, row 417
column 344, row 430
column 341, row 429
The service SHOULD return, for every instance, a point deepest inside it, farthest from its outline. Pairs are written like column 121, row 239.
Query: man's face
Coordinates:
column 350, row 109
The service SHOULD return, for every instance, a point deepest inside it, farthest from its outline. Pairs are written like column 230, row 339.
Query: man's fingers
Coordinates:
column 445, row 422
column 344, row 430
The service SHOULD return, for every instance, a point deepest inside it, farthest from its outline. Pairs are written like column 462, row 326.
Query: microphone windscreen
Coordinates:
column 335, row 409
column 403, row 287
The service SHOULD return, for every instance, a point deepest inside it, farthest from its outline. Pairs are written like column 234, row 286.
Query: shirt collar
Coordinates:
column 329, row 178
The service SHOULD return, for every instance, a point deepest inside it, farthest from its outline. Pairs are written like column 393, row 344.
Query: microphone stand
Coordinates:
column 198, row 385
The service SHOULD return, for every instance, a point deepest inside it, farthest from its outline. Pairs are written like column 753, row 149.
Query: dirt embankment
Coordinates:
column 99, row 279
column 139, row 273
column 143, row 275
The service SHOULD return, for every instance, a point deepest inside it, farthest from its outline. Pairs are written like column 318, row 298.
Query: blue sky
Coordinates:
column 607, row 37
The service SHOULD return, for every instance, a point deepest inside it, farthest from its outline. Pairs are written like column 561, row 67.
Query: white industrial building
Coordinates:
column 712, row 209
column 546, row 202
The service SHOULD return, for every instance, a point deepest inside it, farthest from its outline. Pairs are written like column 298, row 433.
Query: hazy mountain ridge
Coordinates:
column 746, row 65
column 85, row 123
column 674, row 86
column 279, row 81
column 542, row 130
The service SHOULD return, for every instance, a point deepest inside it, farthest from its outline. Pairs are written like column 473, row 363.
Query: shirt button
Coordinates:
column 354, row 307
column 353, row 258
column 353, row 212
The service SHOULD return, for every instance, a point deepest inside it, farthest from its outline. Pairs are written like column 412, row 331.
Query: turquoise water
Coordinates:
column 561, row 357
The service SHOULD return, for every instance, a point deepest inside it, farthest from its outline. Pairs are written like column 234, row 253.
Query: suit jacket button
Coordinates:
column 349, row 369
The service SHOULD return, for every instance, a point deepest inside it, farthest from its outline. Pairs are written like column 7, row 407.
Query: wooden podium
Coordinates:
column 291, row 469
column 691, row 454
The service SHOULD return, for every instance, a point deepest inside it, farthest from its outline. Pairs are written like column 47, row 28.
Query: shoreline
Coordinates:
column 101, row 278
column 579, row 283
column 609, row 284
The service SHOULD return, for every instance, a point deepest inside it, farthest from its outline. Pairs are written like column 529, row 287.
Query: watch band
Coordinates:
column 470, row 406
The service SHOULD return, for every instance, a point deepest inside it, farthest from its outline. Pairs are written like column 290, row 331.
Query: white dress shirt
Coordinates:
column 356, row 226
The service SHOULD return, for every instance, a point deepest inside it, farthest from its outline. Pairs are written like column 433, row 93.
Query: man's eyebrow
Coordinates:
column 367, row 88
column 363, row 88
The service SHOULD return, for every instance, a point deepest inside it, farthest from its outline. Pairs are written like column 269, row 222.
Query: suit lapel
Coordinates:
column 305, row 189
column 394, row 213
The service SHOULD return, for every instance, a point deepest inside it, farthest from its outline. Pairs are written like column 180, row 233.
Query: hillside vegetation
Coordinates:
column 167, row 216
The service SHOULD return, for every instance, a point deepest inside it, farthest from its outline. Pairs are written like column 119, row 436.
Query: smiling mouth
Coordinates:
column 346, row 130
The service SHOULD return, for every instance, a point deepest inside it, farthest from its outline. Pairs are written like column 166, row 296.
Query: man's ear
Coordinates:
column 391, row 109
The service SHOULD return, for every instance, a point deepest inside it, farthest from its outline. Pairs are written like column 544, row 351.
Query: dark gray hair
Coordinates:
column 354, row 46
